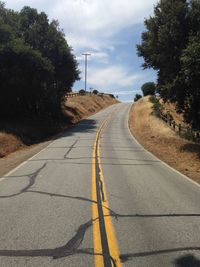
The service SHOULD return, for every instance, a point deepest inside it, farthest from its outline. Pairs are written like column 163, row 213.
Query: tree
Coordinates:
column 137, row 97
column 148, row 88
column 170, row 45
column 191, row 74
column 95, row 91
column 50, row 41
column 37, row 67
column 23, row 74
column 162, row 43
column 82, row 91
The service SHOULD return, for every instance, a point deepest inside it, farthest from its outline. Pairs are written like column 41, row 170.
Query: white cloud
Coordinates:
column 97, row 26
column 112, row 76
column 91, row 23
column 98, row 56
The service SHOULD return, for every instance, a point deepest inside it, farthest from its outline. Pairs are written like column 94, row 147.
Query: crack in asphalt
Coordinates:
column 32, row 178
column 70, row 248
column 70, row 149
column 101, row 190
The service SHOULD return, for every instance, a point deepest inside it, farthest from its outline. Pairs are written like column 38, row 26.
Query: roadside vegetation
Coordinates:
column 171, row 46
column 37, row 70
column 137, row 97
column 23, row 134
column 37, row 67
column 162, row 141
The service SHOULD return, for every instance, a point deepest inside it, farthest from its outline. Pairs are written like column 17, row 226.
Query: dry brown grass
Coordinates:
column 159, row 139
column 170, row 108
column 9, row 143
column 21, row 134
column 77, row 108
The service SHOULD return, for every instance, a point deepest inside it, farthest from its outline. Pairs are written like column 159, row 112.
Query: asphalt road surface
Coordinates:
column 95, row 197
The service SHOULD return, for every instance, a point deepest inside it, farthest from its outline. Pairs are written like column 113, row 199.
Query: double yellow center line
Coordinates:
column 105, row 243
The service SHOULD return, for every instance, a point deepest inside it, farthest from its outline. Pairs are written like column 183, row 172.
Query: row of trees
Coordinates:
column 171, row 46
column 37, row 67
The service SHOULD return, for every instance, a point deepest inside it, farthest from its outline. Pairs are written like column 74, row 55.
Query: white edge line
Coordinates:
column 164, row 163
column 59, row 135
column 24, row 162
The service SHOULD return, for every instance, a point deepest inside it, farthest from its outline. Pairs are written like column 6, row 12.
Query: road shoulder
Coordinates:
column 160, row 140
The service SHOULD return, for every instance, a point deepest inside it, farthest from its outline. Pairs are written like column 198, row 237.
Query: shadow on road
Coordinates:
column 184, row 261
column 187, row 261
column 72, row 246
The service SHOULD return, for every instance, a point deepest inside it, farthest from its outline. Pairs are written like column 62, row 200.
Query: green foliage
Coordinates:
column 82, row 91
column 137, row 97
column 164, row 40
column 37, row 67
column 157, row 106
column 95, row 92
column 148, row 88
column 170, row 45
column 191, row 72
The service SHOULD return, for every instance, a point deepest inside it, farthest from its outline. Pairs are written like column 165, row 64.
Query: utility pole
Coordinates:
column 86, row 56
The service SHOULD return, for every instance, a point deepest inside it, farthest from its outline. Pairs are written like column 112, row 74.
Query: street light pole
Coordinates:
column 86, row 56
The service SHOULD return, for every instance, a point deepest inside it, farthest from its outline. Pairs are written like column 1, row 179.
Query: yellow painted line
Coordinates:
column 98, row 258
column 111, row 236
column 112, row 241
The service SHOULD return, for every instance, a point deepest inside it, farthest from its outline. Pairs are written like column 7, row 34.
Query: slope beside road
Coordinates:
column 157, row 137
column 16, row 137
column 95, row 197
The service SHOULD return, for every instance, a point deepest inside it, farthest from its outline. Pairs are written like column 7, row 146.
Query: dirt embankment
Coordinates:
column 20, row 140
column 80, row 107
column 162, row 141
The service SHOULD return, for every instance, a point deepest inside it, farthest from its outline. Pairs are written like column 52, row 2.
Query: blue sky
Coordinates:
column 109, row 30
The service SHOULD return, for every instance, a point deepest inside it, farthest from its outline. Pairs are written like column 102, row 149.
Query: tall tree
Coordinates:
column 148, row 88
column 37, row 67
column 170, row 45
column 190, row 67
column 163, row 42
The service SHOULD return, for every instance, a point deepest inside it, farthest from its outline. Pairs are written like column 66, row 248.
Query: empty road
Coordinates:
column 95, row 197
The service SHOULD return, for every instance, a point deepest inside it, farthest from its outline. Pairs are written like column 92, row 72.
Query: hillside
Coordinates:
column 162, row 141
column 26, row 138
column 80, row 107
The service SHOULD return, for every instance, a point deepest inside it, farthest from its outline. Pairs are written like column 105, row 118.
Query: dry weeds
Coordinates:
column 13, row 150
column 162, row 141
column 9, row 143
column 81, row 107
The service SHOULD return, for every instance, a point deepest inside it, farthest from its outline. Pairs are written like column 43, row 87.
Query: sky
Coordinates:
column 107, row 29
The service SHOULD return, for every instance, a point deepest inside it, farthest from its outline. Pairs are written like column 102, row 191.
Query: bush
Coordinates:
column 157, row 107
column 34, row 60
column 82, row 91
column 95, row 92
column 137, row 97
column 148, row 88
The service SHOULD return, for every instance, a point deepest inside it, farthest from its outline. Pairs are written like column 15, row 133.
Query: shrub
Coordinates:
column 137, row 97
column 82, row 91
column 157, row 107
column 95, row 92
column 148, row 88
